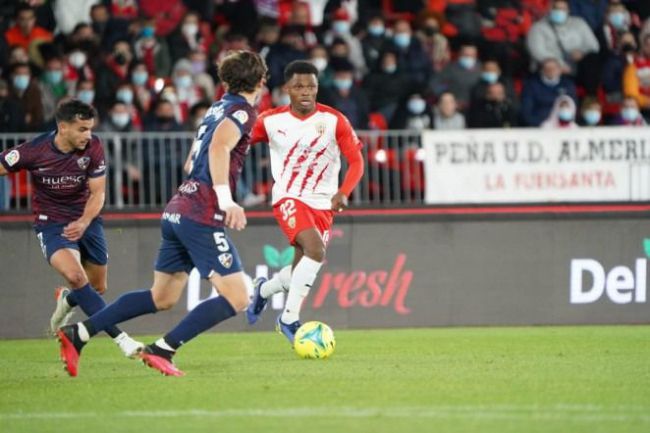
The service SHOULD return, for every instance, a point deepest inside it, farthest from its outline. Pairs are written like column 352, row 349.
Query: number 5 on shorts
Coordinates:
column 221, row 241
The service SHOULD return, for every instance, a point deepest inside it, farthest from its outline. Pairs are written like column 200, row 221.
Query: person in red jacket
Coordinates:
column 25, row 31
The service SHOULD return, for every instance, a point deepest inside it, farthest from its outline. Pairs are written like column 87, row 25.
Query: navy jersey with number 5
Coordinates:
column 195, row 198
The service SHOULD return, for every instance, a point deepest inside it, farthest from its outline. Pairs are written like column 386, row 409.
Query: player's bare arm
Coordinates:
column 97, row 186
column 352, row 177
column 3, row 171
column 224, row 139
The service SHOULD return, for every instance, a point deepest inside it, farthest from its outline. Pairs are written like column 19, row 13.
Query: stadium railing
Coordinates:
column 144, row 170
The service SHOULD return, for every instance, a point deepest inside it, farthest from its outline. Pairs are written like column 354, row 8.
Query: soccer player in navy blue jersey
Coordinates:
column 192, row 228
column 69, row 177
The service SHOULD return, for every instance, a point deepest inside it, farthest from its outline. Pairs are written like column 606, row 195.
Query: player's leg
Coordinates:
column 216, row 258
column 302, row 278
column 98, row 277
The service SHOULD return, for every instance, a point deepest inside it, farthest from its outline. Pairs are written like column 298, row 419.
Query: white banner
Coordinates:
column 533, row 165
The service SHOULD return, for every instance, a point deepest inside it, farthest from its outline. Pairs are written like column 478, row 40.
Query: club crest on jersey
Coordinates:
column 320, row 128
column 83, row 162
column 226, row 260
column 241, row 116
column 12, row 158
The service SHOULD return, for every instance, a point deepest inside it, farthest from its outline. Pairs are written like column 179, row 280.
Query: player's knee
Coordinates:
column 76, row 279
column 316, row 252
column 162, row 301
column 100, row 288
column 239, row 300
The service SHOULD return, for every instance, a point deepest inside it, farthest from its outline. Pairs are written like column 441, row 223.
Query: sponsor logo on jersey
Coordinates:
column 189, row 187
column 59, row 182
column 172, row 217
column 320, row 128
column 100, row 168
column 12, row 158
column 226, row 260
column 83, row 162
column 241, row 116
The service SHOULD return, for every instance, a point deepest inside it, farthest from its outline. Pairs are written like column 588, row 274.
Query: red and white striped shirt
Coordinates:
column 306, row 152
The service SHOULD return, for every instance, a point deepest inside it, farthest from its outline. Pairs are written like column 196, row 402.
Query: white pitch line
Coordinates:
column 562, row 413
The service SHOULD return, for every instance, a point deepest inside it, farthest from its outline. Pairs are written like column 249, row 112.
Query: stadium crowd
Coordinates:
column 149, row 65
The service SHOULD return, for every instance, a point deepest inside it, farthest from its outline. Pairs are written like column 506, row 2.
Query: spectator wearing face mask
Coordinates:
column 494, row 110
column 491, row 74
column 460, row 76
column 319, row 57
column 541, row 90
column 345, row 95
column 53, row 87
column 85, row 91
column 411, row 57
column 386, row 86
column 434, row 43
column 12, row 116
column 446, row 114
column 636, row 76
column 187, row 91
column 118, row 119
column 113, row 72
column 591, row 113
column 414, row 114
column 563, row 114
column 373, row 41
column 76, row 69
column 126, row 95
column 568, row 39
column 629, row 115
column 615, row 61
column 152, row 50
column 191, row 34
column 142, row 86
column 341, row 28
column 26, row 92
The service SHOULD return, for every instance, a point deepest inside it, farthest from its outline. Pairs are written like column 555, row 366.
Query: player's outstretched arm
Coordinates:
column 97, row 186
column 225, row 139
column 352, row 177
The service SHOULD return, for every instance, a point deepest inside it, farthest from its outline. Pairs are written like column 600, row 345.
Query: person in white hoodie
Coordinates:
column 563, row 114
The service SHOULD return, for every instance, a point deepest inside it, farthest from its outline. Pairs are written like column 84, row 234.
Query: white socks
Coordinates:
column 302, row 279
column 280, row 282
column 85, row 336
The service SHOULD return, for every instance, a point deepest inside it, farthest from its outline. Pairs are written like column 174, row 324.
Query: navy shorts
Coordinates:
column 187, row 244
column 92, row 245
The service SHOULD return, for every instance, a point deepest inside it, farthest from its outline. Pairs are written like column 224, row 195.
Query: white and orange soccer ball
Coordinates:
column 314, row 340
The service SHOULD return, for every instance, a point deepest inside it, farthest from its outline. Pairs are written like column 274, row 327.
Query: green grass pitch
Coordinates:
column 542, row 379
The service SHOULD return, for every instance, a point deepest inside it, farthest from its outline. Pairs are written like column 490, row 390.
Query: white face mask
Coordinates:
column 77, row 59
column 120, row 119
column 190, row 29
column 320, row 63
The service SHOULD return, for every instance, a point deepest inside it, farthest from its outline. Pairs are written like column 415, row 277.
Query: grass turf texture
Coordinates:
column 559, row 379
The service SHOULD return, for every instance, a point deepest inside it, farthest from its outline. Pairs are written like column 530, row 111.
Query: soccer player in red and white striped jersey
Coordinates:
column 306, row 140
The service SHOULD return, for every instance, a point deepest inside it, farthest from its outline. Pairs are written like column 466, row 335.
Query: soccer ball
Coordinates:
column 314, row 340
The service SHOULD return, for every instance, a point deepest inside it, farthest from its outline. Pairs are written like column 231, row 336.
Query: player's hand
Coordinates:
column 235, row 217
column 339, row 202
column 75, row 230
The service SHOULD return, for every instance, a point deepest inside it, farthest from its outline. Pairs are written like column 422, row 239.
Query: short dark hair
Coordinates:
column 70, row 110
column 301, row 67
column 242, row 71
column 22, row 8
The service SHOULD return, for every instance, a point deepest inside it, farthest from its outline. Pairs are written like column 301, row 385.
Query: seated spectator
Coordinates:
column 341, row 29
column 491, row 74
column 616, row 59
column 12, row 116
column 494, row 110
column 568, row 39
column 636, row 76
column 411, row 57
column 118, row 119
column 541, row 90
column 187, row 91
column 69, row 13
column 152, row 50
column 76, row 68
column 629, row 114
column 167, row 15
column 459, row 77
column 126, row 95
column 143, row 91
column 386, row 86
column 464, row 17
column 413, row 114
column 191, row 34
column 373, row 41
column 25, row 32
column 200, row 75
column 434, row 43
column 113, row 72
column 53, row 87
column 197, row 112
column 85, row 91
column 346, row 96
column 446, row 115
column 591, row 112
column 563, row 114
column 320, row 58
column 593, row 12
column 290, row 47
column 27, row 94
